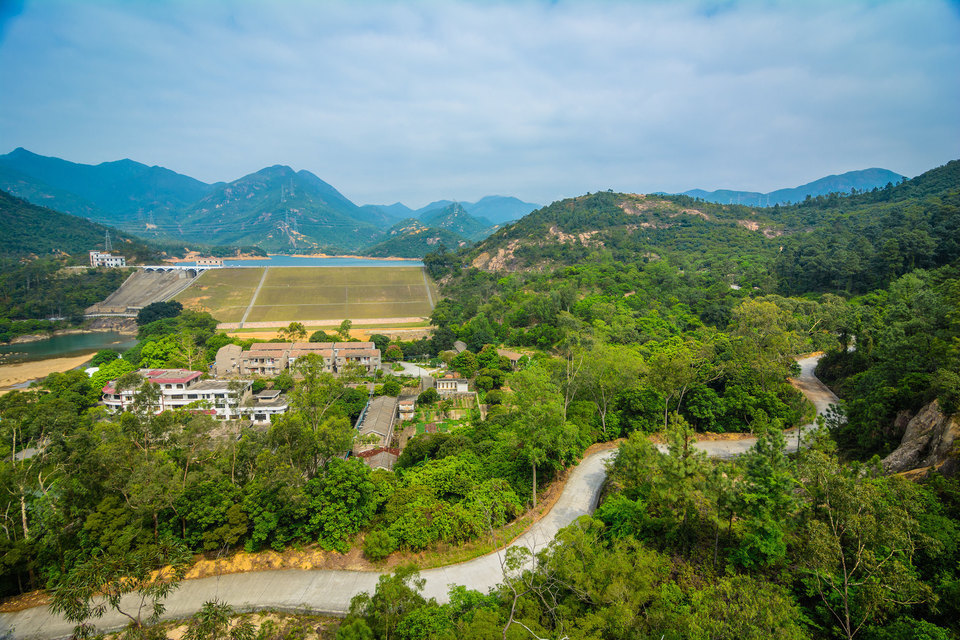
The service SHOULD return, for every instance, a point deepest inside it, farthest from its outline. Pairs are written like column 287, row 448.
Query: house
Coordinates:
column 99, row 259
column 512, row 356
column 227, row 362
column 407, row 408
column 380, row 457
column 268, row 403
column 452, row 383
column 180, row 388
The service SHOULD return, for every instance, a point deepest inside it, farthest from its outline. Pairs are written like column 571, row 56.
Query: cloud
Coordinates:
column 416, row 101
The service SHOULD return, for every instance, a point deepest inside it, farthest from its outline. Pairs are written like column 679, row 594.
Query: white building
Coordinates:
column 98, row 259
column 181, row 387
column 450, row 384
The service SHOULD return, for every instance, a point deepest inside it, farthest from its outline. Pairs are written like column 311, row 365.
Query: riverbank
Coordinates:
column 13, row 375
column 37, row 337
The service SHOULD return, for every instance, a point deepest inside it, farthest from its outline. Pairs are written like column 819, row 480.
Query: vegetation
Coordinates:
column 640, row 315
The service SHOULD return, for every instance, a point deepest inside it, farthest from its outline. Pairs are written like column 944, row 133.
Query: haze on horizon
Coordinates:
column 411, row 102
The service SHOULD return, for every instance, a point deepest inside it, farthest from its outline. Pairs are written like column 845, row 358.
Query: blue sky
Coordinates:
column 415, row 101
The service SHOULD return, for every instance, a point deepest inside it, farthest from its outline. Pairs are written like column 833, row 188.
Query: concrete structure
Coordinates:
column 227, row 363
column 179, row 388
column 143, row 287
column 452, row 383
column 100, row 259
column 209, row 262
column 272, row 358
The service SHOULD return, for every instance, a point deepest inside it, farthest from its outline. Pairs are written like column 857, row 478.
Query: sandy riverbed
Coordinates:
column 13, row 374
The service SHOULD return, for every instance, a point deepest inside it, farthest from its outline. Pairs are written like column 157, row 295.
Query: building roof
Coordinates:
column 460, row 346
column 216, row 385
column 357, row 353
column 269, row 346
column 379, row 416
column 323, row 353
column 511, row 355
column 229, row 348
column 160, row 376
column 170, row 376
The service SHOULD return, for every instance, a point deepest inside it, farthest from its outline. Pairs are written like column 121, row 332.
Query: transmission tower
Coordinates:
column 107, row 246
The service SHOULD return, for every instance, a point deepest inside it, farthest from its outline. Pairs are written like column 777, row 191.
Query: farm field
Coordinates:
column 310, row 294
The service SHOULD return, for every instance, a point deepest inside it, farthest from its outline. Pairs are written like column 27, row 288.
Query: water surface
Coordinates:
column 65, row 345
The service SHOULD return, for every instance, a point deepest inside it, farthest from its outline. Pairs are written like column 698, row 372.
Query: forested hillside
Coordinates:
column 28, row 230
column 652, row 319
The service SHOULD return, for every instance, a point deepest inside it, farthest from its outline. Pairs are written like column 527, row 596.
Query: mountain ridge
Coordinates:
column 861, row 180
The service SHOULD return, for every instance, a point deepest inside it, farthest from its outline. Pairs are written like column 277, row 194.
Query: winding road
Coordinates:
column 330, row 591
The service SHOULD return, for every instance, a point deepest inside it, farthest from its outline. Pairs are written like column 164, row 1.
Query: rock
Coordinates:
column 927, row 441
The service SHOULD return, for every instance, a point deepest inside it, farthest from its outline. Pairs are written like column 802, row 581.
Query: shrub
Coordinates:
column 377, row 545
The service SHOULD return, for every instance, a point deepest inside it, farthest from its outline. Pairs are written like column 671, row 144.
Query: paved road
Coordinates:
column 327, row 591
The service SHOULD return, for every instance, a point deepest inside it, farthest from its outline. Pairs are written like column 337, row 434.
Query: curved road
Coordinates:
column 329, row 591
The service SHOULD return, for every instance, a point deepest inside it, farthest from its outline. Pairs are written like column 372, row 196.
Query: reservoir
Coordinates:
column 308, row 261
column 65, row 345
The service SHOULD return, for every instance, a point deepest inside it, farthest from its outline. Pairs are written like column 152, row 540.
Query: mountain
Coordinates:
column 455, row 218
column 395, row 211
column 125, row 193
column 496, row 209
column 278, row 208
column 864, row 180
column 28, row 230
column 500, row 209
column 628, row 227
column 410, row 238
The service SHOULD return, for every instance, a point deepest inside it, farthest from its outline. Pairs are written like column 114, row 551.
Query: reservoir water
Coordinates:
column 305, row 261
column 64, row 346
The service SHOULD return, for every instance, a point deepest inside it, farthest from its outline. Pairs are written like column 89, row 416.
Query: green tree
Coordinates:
column 343, row 331
column 859, row 537
column 100, row 583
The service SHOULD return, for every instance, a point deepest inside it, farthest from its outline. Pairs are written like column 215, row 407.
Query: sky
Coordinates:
column 418, row 101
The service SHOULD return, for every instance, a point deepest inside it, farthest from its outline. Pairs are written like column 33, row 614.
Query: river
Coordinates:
column 65, row 345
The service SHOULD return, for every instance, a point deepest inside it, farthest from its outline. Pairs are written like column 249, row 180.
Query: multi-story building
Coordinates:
column 99, row 259
column 271, row 358
column 179, row 388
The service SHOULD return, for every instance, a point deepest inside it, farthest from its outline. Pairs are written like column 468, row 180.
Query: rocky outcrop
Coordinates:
column 928, row 441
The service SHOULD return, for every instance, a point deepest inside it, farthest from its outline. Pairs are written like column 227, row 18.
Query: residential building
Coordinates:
column 99, row 259
column 407, row 408
column 268, row 403
column 271, row 358
column 227, row 363
column 512, row 356
column 179, row 388
column 452, row 383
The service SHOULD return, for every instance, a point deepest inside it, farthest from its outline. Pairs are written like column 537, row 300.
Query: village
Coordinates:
column 239, row 388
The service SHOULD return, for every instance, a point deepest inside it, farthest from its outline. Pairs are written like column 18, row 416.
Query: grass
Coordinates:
column 315, row 294
column 225, row 293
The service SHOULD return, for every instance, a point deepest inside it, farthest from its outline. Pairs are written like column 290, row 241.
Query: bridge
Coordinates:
column 192, row 270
